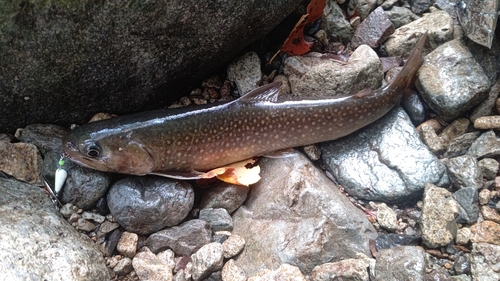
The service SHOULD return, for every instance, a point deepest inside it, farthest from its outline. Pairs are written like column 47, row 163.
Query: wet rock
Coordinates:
column 133, row 61
column 84, row 187
column 361, row 8
column 284, row 272
column 463, row 236
column 489, row 168
column 485, row 108
column 490, row 214
column 464, row 171
column 459, row 145
column 127, row 245
column 439, row 27
column 486, row 145
column 400, row 263
column 348, row 269
column 37, row 241
column 218, row 219
column 462, row 264
column 46, row 137
column 245, row 72
column 123, row 267
column 387, row 218
column 150, row 267
column 336, row 25
column 430, row 137
column 224, row 195
column 147, row 204
column 437, row 222
column 391, row 240
column 457, row 128
column 485, row 232
column 206, row 260
column 106, row 227
column 232, row 246
column 400, row 16
column 451, row 81
column 319, row 77
column 388, row 149
column 468, row 207
column 184, row 239
column 231, row 272
column 113, row 239
column 295, row 204
column 420, row 6
column 373, row 31
column 485, row 261
column 22, row 161
column 414, row 107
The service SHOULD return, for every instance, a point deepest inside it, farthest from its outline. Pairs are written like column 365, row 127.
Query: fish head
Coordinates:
column 107, row 151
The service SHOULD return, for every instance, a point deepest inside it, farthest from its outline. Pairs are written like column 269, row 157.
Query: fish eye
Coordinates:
column 93, row 150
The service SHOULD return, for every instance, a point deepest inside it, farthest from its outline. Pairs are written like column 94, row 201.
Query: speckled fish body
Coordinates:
column 184, row 140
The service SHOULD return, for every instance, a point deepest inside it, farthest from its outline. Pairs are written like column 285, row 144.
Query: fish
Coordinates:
column 182, row 143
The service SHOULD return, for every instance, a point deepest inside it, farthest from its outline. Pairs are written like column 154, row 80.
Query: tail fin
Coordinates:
column 403, row 79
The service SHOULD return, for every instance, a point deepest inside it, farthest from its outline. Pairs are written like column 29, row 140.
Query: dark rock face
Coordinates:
column 63, row 61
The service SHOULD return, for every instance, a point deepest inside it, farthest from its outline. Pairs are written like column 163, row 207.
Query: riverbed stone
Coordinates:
column 486, row 145
column 245, row 72
column 206, row 260
column 400, row 263
column 149, row 267
column 468, row 205
column 295, row 204
column 348, row 269
column 21, row 160
column 38, row 243
column 485, row 262
column 464, row 171
column 224, row 195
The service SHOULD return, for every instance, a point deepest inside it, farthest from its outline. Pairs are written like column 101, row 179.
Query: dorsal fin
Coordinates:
column 267, row 93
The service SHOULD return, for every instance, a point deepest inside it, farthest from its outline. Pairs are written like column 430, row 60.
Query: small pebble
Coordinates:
column 232, row 246
column 484, row 196
column 231, row 271
column 85, row 225
column 123, row 267
column 490, row 214
column 127, row 245
column 463, row 236
column 312, row 151
column 489, row 167
column 93, row 216
column 208, row 259
column 387, row 218
column 487, row 122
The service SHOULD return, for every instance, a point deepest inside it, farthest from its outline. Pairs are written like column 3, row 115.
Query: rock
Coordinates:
column 106, row 227
column 361, row 8
column 93, row 216
column 462, row 264
column 206, row 260
column 284, row 272
column 113, row 239
column 218, row 219
column 438, row 274
column 414, row 107
column 430, row 138
column 373, row 31
column 231, row 272
column 400, row 16
column 245, row 72
column 22, row 161
column 184, row 239
column 85, row 225
column 400, row 263
column 387, row 218
column 420, row 6
column 489, row 168
column 37, row 241
column 391, row 240
column 464, row 171
column 463, row 236
column 46, row 137
column 459, row 145
column 484, row 196
column 468, row 207
column 67, row 210
column 490, row 214
column 319, row 77
column 295, row 204
column 168, row 257
column 150, row 267
column 388, row 149
column 83, row 187
column 224, row 195
column 485, row 260
column 485, row 109
column 123, row 267
column 336, row 25
column 147, row 204
column 348, row 269
column 457, row 128
column 232, row 246
column 487, row 122
column 437, row 222
column 312, row 151
column 485, row 232
column 486, row 145
column 439, row 27
column 451, row 81
column 127, row 245
column 121, row 52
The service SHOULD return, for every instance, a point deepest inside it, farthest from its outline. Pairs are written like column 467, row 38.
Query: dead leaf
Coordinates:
column 240, row 173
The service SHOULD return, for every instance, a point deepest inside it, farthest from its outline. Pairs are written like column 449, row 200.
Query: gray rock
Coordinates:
column 147, row 204
column 106, row 227
column 348, row 269
column 451, row 81
column 489, row 168
column 450, row 7
column 67, row 210
column 184, row 239
column 437, row 222
column 486, row 145
column 123, row 267
column 362, row 8
column 464, row 171
column 207, row 259
column 438, row 274
column 296, row 215
column 489, row 59
column 245, row 72
column 37, row 243
column 391, row 240
column 335, row 24
column 479, row 20
column 93, row 216
column 232, row 246
column 459, row 145
column 218, row 219
column 46, row 137
column 485, row 260
column 224, row 195
column 485, row 108
column 284, row 272
column 373, row 31
column 387, row 218
column 468, row 207
column 85, row 225
column 420, row 6
column 439, row 27
column 414, row 107
column 461, row 277
column 133, row 55
column 150, row 267
column 22, row 161
column 462, row 264
column 231, row 272
column 318, row 77
column 463, row 236
column 391, row 163
column 400, row 16
column 112, row 241
column 127, row 245
column 400, row 263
